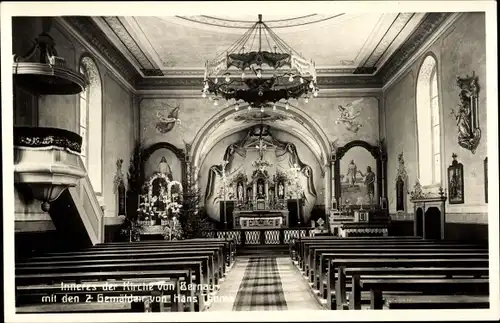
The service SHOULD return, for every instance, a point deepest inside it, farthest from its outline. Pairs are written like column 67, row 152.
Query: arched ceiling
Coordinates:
column 339, row 43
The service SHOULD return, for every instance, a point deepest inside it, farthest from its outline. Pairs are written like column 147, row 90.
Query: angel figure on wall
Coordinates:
column 168, row 122
column 348, row 116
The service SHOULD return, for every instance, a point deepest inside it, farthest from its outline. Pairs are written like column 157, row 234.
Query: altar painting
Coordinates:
column 358, row 177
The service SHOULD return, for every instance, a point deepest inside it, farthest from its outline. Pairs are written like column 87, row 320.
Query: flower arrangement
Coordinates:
column 163, row 206
column 172, row 230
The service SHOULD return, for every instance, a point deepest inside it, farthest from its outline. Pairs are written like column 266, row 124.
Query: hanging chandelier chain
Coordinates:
column 260, row 90
column 277, row 39
column 237, row 44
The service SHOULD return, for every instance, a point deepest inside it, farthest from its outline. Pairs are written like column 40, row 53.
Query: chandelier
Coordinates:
column 276, row 72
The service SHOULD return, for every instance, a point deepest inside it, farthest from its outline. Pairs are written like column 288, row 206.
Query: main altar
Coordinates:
column 260, row 202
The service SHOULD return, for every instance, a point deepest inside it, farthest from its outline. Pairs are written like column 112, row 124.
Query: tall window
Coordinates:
column 428, row 124
column 91, row 123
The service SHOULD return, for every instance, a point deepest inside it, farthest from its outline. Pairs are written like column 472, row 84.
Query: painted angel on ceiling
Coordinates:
column 348, row 116
column 168, row 122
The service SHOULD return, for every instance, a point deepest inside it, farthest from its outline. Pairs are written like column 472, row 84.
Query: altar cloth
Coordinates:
column 261, row 222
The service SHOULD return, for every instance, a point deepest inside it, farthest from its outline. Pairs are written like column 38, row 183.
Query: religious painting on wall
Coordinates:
column 456, row 182
column 358, row 178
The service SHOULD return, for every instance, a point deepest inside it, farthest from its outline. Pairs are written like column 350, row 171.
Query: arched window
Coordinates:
column 428, row 123
column 91, row 122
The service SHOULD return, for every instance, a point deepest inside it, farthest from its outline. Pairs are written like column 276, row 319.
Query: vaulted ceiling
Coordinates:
column 349, row 49
column 339, row 43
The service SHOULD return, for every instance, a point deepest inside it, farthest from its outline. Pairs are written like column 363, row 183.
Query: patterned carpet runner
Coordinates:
column 261, row 288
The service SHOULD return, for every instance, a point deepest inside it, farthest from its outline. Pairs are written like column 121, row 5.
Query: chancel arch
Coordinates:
column 274, row 182
column 309, row 128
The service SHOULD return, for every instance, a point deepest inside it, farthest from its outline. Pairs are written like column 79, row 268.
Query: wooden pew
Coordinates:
column 152, row 298
column 144, row 254
column 170, row 264
column 429, row 302
column 308, row 246
column 52, row 283
column 125, row 249
column 318, row 268
column 297, row 244
column 358, row 273
column 391, row 261
column 209, row 272
column 471, row 286
column 304, row 247
column 229, row 245
column 213, row 274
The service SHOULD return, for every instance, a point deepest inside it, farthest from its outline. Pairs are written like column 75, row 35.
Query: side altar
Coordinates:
column 359, row 206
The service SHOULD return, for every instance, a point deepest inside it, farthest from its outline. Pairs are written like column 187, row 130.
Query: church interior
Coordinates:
column 250, row 162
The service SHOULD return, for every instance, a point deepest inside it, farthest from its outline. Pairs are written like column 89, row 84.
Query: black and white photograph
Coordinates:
column 316, row 161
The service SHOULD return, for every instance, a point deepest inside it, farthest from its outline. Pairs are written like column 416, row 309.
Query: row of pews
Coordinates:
column 393, row 272
column 148, row 276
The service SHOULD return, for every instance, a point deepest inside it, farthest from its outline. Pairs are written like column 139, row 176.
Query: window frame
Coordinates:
column 433, row 76
column 86, row 62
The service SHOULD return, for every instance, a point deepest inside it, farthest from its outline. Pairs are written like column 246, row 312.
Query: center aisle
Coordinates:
column 264, row 283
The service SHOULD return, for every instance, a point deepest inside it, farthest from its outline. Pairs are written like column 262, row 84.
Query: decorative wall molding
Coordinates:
column 151, row 78
column 427, row 28
column 91, row 37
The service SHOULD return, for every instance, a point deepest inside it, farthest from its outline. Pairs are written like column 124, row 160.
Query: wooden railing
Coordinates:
column 244, row 237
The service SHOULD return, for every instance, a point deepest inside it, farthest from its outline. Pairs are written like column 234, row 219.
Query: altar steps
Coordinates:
column 263, row 250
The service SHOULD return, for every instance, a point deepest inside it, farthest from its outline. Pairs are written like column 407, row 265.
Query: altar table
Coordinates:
column 261, row 219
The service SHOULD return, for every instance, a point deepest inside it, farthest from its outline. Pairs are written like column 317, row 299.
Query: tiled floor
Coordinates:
column 297, row 292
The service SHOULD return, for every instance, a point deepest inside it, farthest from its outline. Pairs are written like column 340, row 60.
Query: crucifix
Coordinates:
column 261, row 146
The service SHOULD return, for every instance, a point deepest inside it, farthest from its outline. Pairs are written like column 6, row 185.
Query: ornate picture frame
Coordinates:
column 466, row 114
column 456, row 182
column 378, row 153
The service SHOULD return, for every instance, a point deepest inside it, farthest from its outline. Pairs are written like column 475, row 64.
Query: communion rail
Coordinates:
column 260, row 236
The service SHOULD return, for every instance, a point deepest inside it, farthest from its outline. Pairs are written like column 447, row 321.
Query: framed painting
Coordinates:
column 456, row 182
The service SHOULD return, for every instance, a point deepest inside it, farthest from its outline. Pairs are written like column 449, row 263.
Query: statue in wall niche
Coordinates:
column 348, row 116
column 164, row 168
